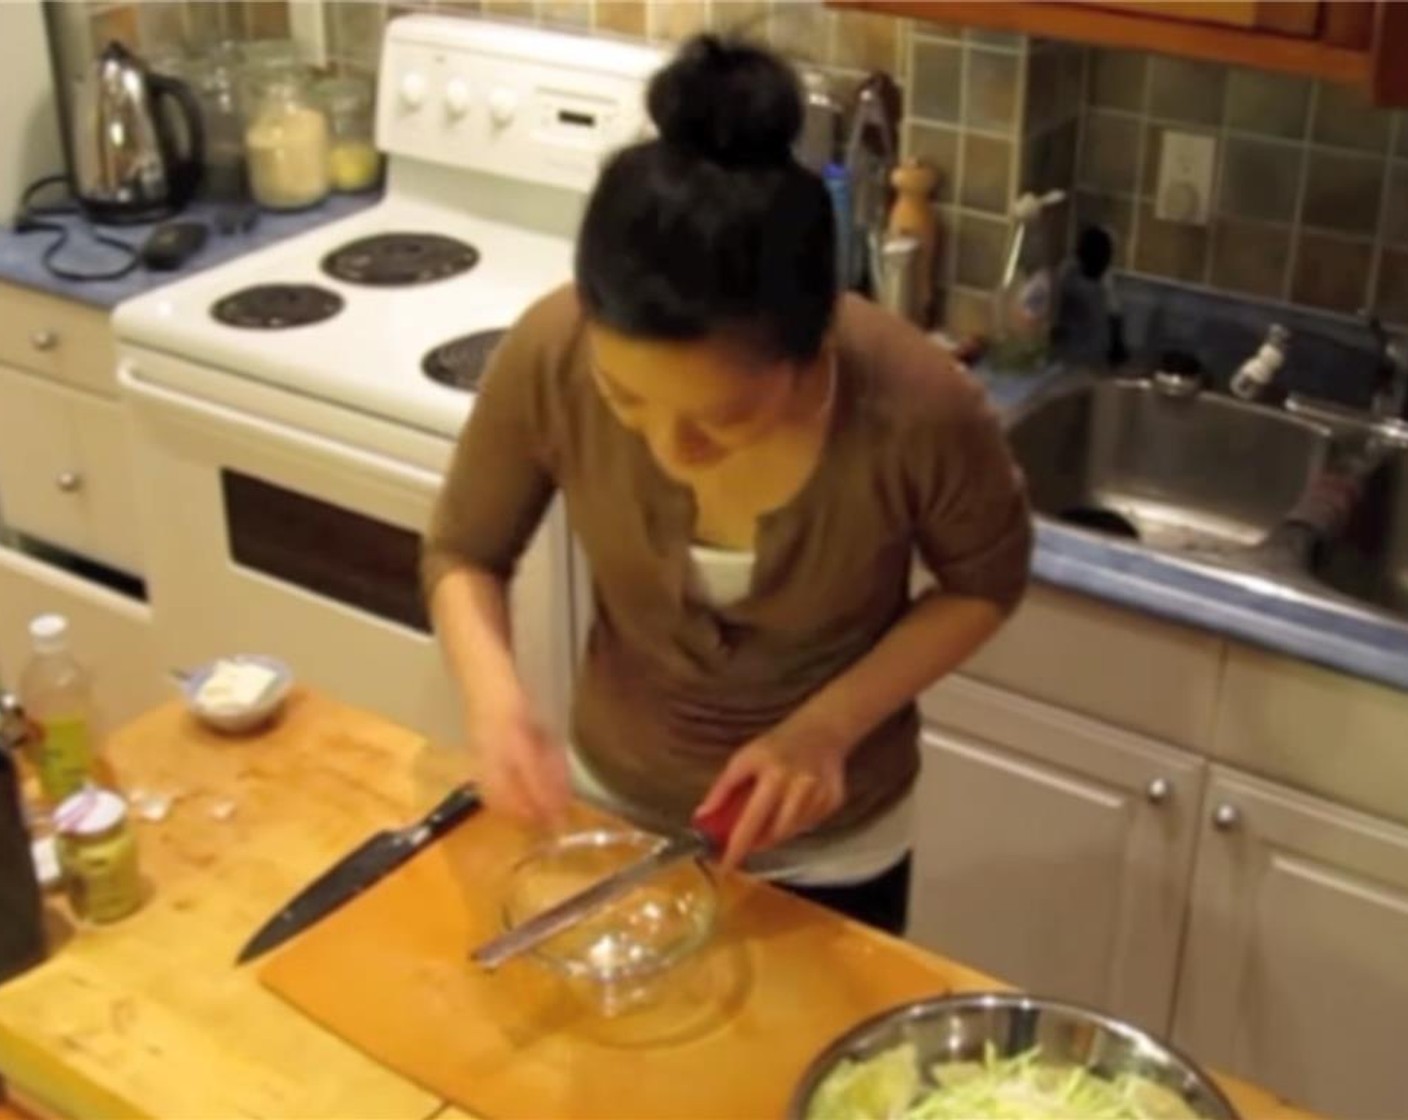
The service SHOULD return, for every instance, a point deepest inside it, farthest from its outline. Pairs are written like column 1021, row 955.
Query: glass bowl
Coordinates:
column 618, row 958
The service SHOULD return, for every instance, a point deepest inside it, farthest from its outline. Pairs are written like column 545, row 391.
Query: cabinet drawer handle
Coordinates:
column 69, row 482
column 1159, row 791
column 1227, row 818
column 44, row 339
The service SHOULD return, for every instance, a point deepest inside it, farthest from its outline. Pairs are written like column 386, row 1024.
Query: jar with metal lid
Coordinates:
column 286, row 142
column 98, row 855
column 354, row 163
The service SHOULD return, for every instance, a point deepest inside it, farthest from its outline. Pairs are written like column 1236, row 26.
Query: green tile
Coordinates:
column 1260, row 180
column 1251, row 258
column 1109, row 158
column 1391, row 299
column 1395, row 230
column 981, row 245
column 1342, row 192
column 987, row 173
column 1043, row 90
column 864, row 41
column 968, row 313
column 937, row 72
column 1118, row 79
column 1186, row 91
column 1003, row 40
column 1331, row 272
column 937, row 147
column 1268, row 104
column 567, row 15
column 1049, row 159
column 992, row 81
column 1345, row 118
column 1170, row 249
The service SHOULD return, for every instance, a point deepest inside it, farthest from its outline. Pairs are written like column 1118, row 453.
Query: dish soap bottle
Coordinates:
column 55, row 691
column 1024, row 302
column 22, row 943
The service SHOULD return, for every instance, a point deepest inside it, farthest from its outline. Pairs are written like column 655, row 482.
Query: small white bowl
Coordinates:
column 247, row 718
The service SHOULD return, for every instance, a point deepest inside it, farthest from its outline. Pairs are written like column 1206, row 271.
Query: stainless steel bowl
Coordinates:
column 958, row 1028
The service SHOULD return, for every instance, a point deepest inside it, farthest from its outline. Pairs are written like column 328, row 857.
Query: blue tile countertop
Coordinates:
column 1248, row 608
column 21, row 254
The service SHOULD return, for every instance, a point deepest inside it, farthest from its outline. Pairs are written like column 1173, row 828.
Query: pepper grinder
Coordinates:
column 912, row 215
column 22, row 944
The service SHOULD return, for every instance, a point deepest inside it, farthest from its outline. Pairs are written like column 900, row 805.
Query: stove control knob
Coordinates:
column 457, row 97
column 503, row 105
column 412, row 90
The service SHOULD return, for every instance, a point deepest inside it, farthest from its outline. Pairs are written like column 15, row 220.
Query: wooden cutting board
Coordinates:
column 389, row 973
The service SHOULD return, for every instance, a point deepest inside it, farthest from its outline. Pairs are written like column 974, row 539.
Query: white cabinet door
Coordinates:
column 66, row 470
column 1296, row 968
column 1053, row 851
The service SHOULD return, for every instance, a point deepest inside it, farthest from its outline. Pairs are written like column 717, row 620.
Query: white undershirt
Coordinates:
column 722, row 577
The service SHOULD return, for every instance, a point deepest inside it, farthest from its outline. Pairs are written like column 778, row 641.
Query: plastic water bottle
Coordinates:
column 56, row 693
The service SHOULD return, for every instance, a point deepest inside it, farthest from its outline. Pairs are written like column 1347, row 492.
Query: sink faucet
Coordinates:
column 1390, row 372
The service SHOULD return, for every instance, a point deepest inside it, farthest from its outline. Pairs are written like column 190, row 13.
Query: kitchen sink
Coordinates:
column 1368, row 560
column 1192, row 473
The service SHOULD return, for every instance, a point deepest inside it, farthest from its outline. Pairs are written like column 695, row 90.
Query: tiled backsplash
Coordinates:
column 1311, row 186
column 1310, row 196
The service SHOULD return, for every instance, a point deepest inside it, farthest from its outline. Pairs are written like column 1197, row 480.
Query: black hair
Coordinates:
column 713, row 229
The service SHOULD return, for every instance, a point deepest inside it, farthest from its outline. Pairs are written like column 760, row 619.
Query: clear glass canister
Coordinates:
column 218, row 82
column 98, row 855
column 354, row 163
column 286, row 140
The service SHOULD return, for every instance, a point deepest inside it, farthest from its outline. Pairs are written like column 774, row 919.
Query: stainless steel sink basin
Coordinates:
column 1189, row 474
column 1368, row 561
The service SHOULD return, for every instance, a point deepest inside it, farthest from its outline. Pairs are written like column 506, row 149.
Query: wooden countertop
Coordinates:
column 149, row 1017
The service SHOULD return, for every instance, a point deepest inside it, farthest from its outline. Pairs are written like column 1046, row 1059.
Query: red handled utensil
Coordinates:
column 708, row 837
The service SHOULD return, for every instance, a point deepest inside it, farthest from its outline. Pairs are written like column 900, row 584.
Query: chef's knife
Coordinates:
column 708, row 837
column 359, row 869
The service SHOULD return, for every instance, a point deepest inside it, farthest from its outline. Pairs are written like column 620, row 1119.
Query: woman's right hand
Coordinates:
column 523, row 771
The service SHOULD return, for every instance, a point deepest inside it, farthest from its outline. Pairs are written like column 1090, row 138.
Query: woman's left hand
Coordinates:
column 798, row 780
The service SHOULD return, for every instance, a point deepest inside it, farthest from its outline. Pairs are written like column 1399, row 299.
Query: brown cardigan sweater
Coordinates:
column 915, row 462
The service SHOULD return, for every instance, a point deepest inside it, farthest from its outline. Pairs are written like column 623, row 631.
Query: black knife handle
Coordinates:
column 458, row 804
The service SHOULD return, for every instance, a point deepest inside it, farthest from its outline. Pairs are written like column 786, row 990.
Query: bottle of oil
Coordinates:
column 56, row 694
column 22, row 942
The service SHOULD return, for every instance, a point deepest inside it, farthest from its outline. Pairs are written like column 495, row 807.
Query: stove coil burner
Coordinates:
column 460, row 363
column 277, row 306
column 394, row 260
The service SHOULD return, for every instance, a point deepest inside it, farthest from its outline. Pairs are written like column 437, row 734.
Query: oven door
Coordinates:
column 266, row 538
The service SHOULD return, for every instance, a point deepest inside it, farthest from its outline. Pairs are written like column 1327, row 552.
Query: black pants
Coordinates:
column 882, row 902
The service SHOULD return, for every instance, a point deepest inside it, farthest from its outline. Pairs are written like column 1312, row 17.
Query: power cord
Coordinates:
column 33, row 218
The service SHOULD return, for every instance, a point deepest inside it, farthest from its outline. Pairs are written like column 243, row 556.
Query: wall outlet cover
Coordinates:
column 1186, row 163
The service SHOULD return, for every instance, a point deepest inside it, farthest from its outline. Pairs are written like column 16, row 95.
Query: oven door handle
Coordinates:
column 418, row 477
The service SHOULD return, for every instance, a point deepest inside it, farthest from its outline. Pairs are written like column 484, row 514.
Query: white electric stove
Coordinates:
column 294, row 410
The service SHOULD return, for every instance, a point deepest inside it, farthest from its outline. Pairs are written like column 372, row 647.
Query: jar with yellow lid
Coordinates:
column 98, row 855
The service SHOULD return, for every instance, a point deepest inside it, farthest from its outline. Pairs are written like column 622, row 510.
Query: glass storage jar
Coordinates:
column 354, row 163
column 286, row 142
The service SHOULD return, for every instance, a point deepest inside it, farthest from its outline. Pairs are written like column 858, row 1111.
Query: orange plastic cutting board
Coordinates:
column 389, row 973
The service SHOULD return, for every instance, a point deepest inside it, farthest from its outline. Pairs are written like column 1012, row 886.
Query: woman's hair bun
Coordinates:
column 727, row 101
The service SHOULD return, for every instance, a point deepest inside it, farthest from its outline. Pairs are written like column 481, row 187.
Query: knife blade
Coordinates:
column 361, row 868
column 708, row 837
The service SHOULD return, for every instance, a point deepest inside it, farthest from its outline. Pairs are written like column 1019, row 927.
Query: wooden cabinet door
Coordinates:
column 1054, row 852
column 1295, row 971
column 1284, row 17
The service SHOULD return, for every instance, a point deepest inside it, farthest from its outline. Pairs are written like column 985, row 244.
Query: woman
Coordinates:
column 750, row 463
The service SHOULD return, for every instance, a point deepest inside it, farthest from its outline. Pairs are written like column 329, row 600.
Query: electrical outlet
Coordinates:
column 1185, row 178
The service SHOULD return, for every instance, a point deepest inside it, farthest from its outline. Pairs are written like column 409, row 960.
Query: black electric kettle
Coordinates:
column 128, row 163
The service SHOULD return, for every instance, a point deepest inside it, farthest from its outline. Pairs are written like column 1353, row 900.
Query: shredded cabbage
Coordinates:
column 889, row 1087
